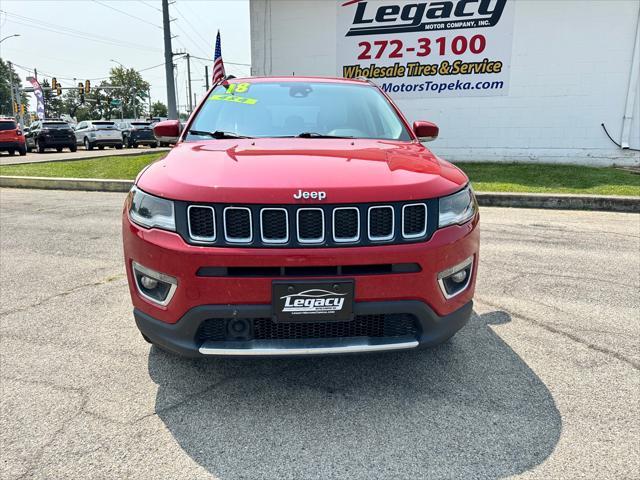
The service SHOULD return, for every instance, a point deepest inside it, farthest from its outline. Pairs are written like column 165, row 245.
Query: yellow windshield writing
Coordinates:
column 233, row 98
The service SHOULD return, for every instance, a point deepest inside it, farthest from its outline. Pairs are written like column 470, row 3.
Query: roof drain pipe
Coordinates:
column 625, row 138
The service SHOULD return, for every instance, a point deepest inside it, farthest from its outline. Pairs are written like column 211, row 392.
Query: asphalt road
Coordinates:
column 543, row 383
column 51, row 155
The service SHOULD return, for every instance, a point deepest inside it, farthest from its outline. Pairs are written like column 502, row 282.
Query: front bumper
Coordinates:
column 181, row 337
column 198, row 298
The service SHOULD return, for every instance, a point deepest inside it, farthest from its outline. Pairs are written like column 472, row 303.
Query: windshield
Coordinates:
column 55, row 125
column 289, row 109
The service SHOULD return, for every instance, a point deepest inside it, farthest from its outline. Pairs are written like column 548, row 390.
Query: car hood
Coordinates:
column 273, row 170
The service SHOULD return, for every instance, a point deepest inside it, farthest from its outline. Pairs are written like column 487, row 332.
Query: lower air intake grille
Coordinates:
column 375, row 326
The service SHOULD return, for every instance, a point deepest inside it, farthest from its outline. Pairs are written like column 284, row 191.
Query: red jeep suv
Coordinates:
column 299, row 216
column 11, row 137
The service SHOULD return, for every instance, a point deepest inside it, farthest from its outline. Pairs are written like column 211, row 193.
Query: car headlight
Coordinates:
column 150, row 211
column 457, row 208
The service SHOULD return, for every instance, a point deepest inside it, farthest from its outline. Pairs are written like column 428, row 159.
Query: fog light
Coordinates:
column 148, row 282
column 154, row 286
column 459, row 277
column 455, row 279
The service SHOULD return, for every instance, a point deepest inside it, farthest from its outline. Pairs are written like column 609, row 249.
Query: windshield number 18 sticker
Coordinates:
column 231, row 96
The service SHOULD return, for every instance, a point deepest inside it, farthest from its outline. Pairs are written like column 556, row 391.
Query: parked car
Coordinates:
column 98, row 133
column 138, row 133
column 11, row 137
column 51, row 133
column 300, row 216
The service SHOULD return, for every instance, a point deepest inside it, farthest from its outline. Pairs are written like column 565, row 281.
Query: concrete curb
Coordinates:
column 485, row 199
column 52, row 183
column 557, row 201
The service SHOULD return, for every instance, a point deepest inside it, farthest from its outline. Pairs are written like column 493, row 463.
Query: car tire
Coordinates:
column 87, row 144
column 22, row 151
column 11, row 152
column 39, row 147
column 58, row 149
column 119, row 147
column 100, row 147
column 153, row 145
column 73, row 148
column 134, row 145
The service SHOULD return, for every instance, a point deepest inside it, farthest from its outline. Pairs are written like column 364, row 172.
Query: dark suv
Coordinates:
column 138, row 133
column 56, row 134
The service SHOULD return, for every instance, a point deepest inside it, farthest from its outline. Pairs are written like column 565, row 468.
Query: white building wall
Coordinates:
column 570, row 72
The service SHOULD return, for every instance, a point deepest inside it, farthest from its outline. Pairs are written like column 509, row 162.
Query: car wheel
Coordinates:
column 58, row 149
column 73, row 148
column 153, row 145
column 100, row 147
column 22, row 151
column 39, row 147
column 11, row 152
column 119, row 147
column 87, row 144
column 134, row 145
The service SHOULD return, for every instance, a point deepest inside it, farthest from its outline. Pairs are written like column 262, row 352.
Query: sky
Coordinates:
column 78, row 39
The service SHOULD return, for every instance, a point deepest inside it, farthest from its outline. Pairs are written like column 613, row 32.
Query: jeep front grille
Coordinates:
column 295, row 226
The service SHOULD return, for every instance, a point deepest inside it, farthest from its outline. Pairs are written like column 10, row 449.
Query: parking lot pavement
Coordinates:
column 53, row 156
column 543, row 383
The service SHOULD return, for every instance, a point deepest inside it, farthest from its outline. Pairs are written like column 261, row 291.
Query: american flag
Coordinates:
column 218, row 66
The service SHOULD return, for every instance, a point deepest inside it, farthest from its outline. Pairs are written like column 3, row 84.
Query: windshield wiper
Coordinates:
column 218, row 134
column 318, row 135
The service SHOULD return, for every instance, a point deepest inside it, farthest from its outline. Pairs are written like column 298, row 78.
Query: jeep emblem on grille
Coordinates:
column 306, row 195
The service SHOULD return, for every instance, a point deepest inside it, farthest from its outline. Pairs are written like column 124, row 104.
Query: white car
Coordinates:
column 98, row 133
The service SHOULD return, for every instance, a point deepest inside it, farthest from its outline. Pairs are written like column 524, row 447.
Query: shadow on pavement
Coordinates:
column 468, row 409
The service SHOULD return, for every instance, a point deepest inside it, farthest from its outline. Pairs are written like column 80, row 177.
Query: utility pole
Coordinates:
column 189, row 82
column 149, row 95
column 206, row 76
column 168, row 62
column 13, row 98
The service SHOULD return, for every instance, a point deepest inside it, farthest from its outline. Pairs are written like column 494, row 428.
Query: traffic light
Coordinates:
column 81, row 91
column 87, row 86
column 15, row 107
column 58, row 88
column 22, row 109
column 54, row 84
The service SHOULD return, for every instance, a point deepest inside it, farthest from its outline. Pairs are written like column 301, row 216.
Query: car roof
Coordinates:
column 294, row 79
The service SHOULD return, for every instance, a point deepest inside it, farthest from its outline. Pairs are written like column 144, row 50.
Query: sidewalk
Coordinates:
column 81, row 154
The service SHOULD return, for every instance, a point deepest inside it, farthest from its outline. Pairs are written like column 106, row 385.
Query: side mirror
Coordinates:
column 167, row 131
column 425, row 131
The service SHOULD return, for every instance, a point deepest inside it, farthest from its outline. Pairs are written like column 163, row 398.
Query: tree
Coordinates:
column 133, row 92
column 5, row 89
column 158, row 109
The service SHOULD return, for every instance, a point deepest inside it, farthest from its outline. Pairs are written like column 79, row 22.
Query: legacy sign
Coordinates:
column 429, row 48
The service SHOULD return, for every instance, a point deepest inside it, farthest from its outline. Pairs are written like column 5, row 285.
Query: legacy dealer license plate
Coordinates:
column 313, row 301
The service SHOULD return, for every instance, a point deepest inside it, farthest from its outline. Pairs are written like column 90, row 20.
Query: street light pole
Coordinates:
column 9, row 36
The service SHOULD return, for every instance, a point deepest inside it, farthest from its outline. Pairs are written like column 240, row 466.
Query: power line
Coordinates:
column 52, row 27
column 151, row 6
column 195, row 30
column 127, row 14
